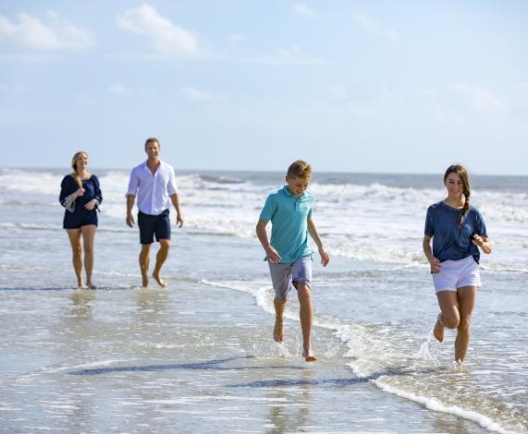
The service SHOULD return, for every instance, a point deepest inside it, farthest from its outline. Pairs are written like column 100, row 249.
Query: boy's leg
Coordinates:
column 302, row 277
column 306, row 317
column 278, row 331
column 281, row 278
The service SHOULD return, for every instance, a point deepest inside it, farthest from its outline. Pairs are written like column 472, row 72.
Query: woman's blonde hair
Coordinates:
column 75, row 174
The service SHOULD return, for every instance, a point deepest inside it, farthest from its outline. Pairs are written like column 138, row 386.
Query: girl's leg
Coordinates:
column 76, row 245
column 467, row 296
column 449, row 314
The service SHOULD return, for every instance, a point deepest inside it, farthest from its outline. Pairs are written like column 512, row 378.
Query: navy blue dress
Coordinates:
column 76, row 215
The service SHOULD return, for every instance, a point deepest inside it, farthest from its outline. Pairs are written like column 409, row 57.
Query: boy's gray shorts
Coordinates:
column 283, row 275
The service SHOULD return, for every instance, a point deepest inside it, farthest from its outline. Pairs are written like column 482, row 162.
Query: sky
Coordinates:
column 349, row 86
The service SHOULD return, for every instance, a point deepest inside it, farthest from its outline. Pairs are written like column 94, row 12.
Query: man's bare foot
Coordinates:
column 308, row 356
column 438, row 330
column 278, row 331
column 158, row 279
column 90, row 285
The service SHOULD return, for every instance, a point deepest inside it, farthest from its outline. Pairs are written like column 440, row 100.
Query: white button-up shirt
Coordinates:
column 153, row 191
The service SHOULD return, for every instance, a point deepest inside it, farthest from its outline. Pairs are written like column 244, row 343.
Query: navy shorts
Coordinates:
column 79, row 217
column 150, row 225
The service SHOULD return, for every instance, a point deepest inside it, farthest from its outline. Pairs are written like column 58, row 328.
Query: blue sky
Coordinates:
column 350, row 86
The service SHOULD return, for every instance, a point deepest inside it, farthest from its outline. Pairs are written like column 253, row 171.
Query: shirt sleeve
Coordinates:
column 68, row 187
column 429, row 224
column 171, row 187
column 98, row 194
column 268, row 210
column 133, row 183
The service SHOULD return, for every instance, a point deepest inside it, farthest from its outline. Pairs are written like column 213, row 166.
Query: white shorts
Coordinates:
column 457, row 274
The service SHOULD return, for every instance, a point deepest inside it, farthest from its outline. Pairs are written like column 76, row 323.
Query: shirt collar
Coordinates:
column 288, row 193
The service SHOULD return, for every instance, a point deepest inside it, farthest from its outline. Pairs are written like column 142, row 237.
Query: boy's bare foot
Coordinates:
column 90, row 285
column 158, row 279
column 278, row 331
column 438, row 330
column 145, row 281
column 308, row 356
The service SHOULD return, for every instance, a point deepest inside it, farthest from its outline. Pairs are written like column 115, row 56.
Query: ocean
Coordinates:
column 199, row 356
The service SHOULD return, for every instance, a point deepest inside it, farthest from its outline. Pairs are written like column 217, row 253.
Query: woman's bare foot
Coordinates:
column 439, row 327
column 308, row 355
column 158, row 279
column 278, row 331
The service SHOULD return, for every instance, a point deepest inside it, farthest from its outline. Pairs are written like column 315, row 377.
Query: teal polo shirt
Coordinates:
column 289, row 226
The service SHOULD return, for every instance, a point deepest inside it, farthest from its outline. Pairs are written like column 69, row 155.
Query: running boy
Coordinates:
column 288, row 252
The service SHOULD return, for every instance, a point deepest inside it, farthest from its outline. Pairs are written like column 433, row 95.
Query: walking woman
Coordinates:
column 81, row 196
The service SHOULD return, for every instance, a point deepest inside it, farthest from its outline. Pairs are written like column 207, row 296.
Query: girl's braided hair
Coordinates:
column 462, row 173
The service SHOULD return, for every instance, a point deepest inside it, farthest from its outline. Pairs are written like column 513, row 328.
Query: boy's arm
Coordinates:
column 312, row 230
column 271, row 253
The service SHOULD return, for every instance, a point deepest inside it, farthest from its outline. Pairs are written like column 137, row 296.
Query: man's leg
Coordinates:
column 161, row 257
column 144, row 260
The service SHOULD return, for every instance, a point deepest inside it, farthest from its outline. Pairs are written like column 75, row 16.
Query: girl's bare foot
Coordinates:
column 439, row 327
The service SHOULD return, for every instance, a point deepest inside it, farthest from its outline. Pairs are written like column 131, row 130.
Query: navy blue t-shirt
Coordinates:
column 449, row 240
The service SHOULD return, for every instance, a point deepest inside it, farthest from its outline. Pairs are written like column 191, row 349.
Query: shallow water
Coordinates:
column 199, row 356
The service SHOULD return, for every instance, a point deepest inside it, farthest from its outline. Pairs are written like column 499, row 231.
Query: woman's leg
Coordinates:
column 88, row 234
column 76, row 245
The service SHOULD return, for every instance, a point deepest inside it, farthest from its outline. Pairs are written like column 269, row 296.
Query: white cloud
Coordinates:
column 459, row 101
column 118, row 89
column 285, row 56
column 199, row 95
column 303, row 10
column 372, row 27
column 480, row 99
column 523, row 87
column 164, row 36
column 339, row 92
column 54, row 34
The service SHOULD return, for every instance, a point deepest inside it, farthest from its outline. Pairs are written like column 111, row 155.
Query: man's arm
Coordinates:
column 175, row 199
column 130, row 206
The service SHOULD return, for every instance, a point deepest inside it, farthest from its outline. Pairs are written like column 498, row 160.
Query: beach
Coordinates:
column 199, row 356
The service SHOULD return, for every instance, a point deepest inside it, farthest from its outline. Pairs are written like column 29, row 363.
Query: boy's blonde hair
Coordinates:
column 300, row 169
